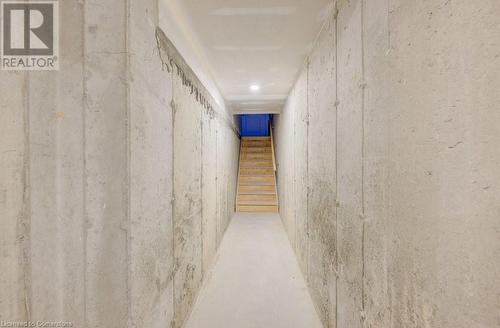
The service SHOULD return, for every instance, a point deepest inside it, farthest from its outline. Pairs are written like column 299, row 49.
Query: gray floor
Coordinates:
column 255, row 282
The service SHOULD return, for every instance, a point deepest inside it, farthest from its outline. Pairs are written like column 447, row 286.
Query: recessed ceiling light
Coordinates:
column 255, row 87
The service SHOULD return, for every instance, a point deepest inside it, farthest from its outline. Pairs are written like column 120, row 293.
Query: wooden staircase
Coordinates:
column 257, row 179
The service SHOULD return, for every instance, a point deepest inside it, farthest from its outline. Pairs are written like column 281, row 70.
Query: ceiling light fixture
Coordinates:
column 255, row 87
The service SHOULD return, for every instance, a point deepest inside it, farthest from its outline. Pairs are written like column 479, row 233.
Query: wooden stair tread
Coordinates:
column 255, row 163
column 256, row 137
column 256, row 144
column 256, row 160
column 257, row 208
column 257, row 184
column 258, row 152
column 256, row 197
column 253, row 189
column 256, row 171
column 256, row 166
column 257, row 180
column 251, row 178
column 257, row 203
column 257, row 193
column 255, row 147
column 256, row 175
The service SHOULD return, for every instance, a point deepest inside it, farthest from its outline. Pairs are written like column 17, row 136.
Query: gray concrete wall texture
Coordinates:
column 205, row 167
column 118, row 172
column 102, row 223
column 388, row 165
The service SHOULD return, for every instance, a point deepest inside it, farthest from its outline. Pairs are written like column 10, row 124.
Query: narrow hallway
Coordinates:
column 255, row 280
column 250, row 164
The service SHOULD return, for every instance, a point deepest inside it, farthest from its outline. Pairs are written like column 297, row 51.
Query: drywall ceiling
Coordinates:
column 253, row 42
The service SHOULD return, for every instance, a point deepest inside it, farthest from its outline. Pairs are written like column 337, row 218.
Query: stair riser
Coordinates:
column 260, row 209
column 255, row 189
column 253, row 144
column 250, row 179
column 259, row 184
column 260, row 150
column 257, row 198
column 256, row 141
column 257, row 165
column 255, row 138
column 250, row 171
column 256, row 157
column 255, row 160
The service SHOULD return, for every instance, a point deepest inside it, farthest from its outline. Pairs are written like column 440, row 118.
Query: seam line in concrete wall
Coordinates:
column 201, row 192
column 388, row 25
column 174, row 264
column 307, row 169
column 84, row 157
column 26, row 217
column 294, row 174
column 217, row 228
column 363, row 101
column 130, row 319
column 336, row 14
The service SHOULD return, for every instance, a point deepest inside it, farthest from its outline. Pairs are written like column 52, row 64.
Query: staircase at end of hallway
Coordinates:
column 257, row 179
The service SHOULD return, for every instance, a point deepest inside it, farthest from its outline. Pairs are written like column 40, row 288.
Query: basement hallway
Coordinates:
column 256, row 281
column 250, row 164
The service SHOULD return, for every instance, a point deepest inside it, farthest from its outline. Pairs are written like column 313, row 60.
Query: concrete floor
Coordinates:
column 255, row 281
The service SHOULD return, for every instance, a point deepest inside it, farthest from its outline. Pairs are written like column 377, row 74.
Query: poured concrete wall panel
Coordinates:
column 417, row 165
column 14, row 231
column 378, row 78
column 106, row 147
column 56, row 182
column 321, row 158
column 86, row 188
column 300, row 140
column 151, row 159
column 209, row 189
column 285, row 158
column 350, row 164
column 442, row 153
column 188, row 200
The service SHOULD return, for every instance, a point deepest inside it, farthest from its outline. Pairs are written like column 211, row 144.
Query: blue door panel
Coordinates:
column 255, row 125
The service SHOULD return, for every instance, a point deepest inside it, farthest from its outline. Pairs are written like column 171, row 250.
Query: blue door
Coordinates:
column 255, row 125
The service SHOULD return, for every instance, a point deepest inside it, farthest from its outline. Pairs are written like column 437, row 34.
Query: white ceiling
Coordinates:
column 254, row 42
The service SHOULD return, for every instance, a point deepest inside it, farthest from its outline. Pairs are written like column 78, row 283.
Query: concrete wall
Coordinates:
column 150, row 148
column 91, row 225
column 206, row 149
column 388, row 165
